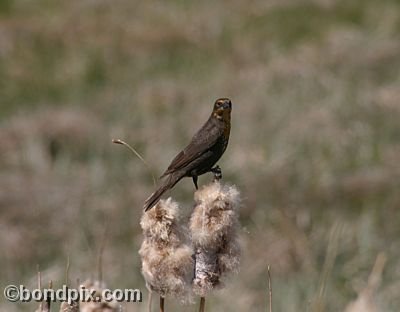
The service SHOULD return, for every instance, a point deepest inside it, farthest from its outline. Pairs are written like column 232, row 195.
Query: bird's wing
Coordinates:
column 201, row 142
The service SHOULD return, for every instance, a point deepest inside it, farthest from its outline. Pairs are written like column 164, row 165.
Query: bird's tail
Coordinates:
column 168, row 183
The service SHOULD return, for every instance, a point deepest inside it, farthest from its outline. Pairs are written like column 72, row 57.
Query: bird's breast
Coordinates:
column 227, row 130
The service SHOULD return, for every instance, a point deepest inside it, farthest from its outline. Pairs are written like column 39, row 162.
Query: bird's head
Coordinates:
column 222, row 109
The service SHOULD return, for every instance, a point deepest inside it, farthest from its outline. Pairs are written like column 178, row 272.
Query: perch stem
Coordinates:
column 202, row 304
column 149, row 300
column 161, row 304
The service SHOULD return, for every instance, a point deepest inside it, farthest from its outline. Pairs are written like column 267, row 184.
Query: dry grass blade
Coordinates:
column 67, row 271
column 331, row 252
column 118, row 141
column 100, row 255
column 269, row 288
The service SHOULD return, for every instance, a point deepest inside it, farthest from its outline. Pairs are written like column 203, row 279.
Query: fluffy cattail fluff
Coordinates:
column 66, row 307
column 167, row 263
column 213, row 227
column 43, row 307
column 102, row 305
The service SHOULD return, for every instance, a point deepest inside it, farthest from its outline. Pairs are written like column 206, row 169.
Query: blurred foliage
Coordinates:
column 315, row 87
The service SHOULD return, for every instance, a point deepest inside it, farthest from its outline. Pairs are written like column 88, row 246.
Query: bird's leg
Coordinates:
column 195, row 182
column 217, row 173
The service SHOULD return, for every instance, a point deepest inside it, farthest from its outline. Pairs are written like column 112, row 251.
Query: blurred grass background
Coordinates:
column 314, row 145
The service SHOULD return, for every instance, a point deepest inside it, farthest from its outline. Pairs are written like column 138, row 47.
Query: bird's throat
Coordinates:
column 225, row 117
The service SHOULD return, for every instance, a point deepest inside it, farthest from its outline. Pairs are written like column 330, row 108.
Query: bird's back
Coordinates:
column 210, row 137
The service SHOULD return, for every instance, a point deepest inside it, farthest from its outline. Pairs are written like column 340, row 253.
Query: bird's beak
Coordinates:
column 227, row 105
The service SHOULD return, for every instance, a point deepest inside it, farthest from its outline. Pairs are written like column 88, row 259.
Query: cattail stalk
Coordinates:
column 202, row 304
column 162, row 304
column 44, row 306
column 171, row 264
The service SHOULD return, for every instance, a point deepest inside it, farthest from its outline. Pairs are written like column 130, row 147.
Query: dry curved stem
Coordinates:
column 39, row 277
column 269, row 288
column 119, row 141
column 67, row 271
column 101, row 252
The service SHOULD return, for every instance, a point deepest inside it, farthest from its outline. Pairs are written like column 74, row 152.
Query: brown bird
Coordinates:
column 199, row 157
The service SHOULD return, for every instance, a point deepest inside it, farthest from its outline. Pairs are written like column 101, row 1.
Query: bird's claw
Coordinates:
column 195, row 182
column 217, row 173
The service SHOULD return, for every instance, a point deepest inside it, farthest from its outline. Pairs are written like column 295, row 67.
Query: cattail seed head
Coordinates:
column 215, row 214
column 167, row 263
column 213, row 228
column 100, row 305
column 66, row 307
column 161, row 225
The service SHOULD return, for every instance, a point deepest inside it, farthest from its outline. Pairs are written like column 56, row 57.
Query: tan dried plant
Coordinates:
column 101, row 305
column 66, row 307
column 213, row 227
column 166, row 253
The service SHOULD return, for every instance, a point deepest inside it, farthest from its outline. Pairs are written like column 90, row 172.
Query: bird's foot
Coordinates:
column 195, row 182
column 217, row 173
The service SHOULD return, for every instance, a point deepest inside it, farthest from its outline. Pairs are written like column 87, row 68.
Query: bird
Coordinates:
column 201, row 154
